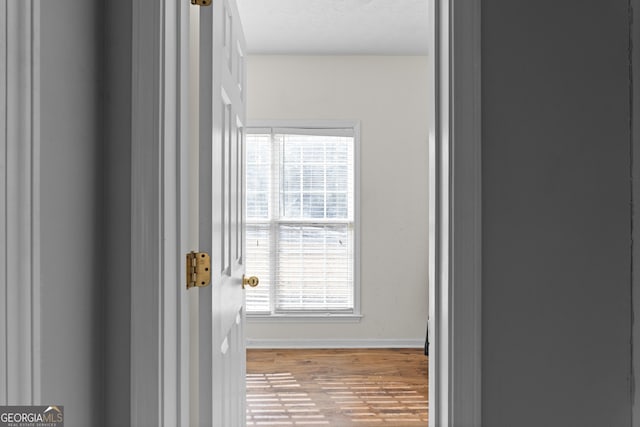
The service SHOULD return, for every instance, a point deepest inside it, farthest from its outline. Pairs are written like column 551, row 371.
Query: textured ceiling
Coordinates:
column 372, row 27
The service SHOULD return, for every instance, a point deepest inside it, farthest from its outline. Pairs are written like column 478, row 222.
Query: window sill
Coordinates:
column 304, row 318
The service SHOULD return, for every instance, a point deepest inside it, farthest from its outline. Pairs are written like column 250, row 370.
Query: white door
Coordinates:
column 187, row 345
column 221, row 347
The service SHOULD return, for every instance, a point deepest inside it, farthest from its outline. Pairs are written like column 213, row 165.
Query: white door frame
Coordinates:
column 455, row 261
column 159, row 305
column 20, row 356
column 455, row 223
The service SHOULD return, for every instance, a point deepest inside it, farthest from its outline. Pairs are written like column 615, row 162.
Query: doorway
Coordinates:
column 378, row 78
column 152, row 360
column 455, row 240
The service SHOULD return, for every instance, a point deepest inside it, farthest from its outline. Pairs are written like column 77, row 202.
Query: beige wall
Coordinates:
column 389, row 96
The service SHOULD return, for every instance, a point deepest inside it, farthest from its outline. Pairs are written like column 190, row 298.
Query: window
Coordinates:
column 300, row 225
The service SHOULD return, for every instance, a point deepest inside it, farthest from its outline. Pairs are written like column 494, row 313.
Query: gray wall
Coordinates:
column 86, row 169
column 636, row 209
column 556, row 213
column 72, row 210
column 86, row 209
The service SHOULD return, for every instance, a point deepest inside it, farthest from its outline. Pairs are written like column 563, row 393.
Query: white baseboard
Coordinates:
column 334, row 343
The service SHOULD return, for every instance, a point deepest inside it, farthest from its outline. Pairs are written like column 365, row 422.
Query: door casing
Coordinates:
column 20, row 281
column 455, row 258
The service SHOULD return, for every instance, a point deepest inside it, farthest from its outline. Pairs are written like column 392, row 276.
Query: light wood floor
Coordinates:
column 338, row 388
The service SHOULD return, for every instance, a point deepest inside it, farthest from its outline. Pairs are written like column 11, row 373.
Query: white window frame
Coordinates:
column 356, row 315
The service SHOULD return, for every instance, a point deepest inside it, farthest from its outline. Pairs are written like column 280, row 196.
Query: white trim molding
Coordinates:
column 304, row 318
column 267, row 343
column 455, row 217
column 20, row 380
column 158, row 369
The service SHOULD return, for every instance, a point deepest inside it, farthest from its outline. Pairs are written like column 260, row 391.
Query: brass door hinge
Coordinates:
column 198, row 269
column 201, row 2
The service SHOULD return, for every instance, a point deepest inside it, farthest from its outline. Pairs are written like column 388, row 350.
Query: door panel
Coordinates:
column 221, row 315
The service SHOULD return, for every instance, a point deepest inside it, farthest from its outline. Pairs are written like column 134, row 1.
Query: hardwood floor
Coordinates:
column 341, row 388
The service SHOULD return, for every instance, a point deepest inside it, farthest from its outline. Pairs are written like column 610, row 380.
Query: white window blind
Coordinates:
column 300, row 220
